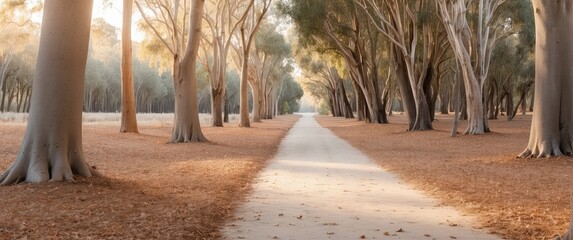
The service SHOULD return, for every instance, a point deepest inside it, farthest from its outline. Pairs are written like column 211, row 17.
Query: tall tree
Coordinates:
column 410, row 27
column 551, row 129
column 52, row 145
column 249, row 25
column 222, row 22
column 128, row 117
column 170, row 28
column 551, row 126
column 474, row 59
column 339, row 26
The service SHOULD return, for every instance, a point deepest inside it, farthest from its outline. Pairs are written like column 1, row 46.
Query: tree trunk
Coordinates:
column 551, row 126
column 52, row 145
column 458, row 32
column 226, row 117
column 243, row 89
column 257, row 102
column 187, row 127
column 217, row 107
column 128, row 117
column 408, row 101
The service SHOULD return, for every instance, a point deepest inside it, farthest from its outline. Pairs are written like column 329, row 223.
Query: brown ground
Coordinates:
column 152, row 190
column 515, row 198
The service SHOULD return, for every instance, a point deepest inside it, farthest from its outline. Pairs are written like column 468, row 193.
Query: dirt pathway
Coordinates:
column 319, row 187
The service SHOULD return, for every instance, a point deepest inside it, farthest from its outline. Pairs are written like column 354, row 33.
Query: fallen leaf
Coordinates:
column 363, row 237
column 400, row 230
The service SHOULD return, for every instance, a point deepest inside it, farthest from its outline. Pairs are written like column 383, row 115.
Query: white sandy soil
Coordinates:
column 320, row 187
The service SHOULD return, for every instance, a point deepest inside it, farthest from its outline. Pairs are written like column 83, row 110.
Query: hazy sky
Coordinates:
column 113, row 14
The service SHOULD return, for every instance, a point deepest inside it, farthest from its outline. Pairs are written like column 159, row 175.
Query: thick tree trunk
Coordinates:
column 52, row 145
column 551, row 126
column 128, row 117
column 186, row 127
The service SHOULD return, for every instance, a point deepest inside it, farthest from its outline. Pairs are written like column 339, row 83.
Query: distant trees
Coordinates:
column 18, row 51
column 152, row 75
column 420, row 48
column 176, row 30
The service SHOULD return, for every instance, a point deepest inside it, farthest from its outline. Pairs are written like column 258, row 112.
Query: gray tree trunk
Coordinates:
column 52, row 145
column 551, row 126
column 187, row 127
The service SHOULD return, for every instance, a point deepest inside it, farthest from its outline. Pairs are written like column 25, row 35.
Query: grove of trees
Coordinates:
column 363, row 58
column 397, row 55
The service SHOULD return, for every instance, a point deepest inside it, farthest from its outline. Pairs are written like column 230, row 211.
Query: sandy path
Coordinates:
column 319, row 187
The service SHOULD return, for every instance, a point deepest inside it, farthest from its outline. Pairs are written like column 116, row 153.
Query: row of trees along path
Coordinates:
column 52, row 146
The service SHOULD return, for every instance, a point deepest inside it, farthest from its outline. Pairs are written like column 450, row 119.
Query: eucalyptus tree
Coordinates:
column 269, row 59
column 322, row 72
column 222, row 20
column 128, row 118
column 52, row 145
column 473, row 51
column 176, row 27
column 288, row 99
column 340, row 26
column 552, row 114
column 411, row 27
column 250, row 21
column 551, row 129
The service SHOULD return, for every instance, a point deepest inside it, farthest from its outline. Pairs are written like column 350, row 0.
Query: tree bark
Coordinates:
column 128, row 113
column 52, row 145
column 187, row 127
column 455, row 22
column 217, row 98
column 551, row 126
column 243, row 89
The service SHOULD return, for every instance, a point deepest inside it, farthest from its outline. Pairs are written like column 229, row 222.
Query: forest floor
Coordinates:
column 513, row 197
column 151, row 190
column 155, row 190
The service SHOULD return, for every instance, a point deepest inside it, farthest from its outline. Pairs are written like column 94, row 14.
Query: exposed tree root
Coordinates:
column 46, row 164
column 541, row 150
column 474, row 130
column 180, row 136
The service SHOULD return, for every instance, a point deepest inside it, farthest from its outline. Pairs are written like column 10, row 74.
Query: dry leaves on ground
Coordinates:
column 515, row 198
column 152, row 190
